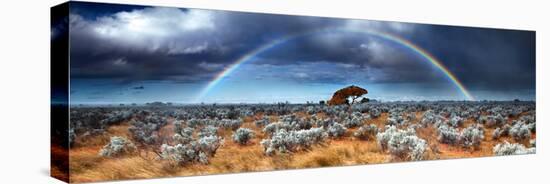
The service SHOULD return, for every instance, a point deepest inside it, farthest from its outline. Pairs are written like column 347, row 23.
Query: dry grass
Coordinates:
column 59, row 162
column 100, row 140
column 86, row 165
column 341, row 152
column 380, row 122
column 120, row 168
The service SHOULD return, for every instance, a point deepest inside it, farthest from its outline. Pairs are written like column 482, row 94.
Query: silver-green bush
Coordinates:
column 512, row 149
column 402, row 144
column 118, row 146
column 243, row 135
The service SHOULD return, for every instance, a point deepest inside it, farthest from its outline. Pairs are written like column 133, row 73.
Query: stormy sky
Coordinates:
column 126, row 54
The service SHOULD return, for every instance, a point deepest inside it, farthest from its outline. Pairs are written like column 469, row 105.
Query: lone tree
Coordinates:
column 341, row 96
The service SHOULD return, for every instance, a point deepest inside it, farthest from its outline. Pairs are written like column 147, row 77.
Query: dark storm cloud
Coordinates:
column 168, row 43
column 484, row 58
column 355, row 55
column 184, row 45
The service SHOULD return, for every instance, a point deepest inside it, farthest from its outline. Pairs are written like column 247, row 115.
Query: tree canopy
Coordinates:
column 341, row 96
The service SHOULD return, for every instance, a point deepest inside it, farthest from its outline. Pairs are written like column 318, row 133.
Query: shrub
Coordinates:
column 118, row 146
column 384, row 137
column 187, row 131
column 284, row 141
column 155, row 119
column 307, row 138
column 262, row 122
column 232, row 124
column 185, row 136
column 414, row 126
column 448, row 135
column 469, row 137
column 243, row 135
column 193, row 122
column 355, row 120
column 178, row 126
column 392, row 121
column 395, row 118
column 440, row 122
column 182, row 139
column 482, row 119
column 210, row 144
column 505, row 129
column 288, row 123
column 520, row 131
column 402, row 144
column 456, row 121
column 278, row 142
column 271, row 128
column 472, row 136
column 336, row 130
column 208, row 131
column 499, row 132
column 291, row 122
column 512, row 149
column 194, row 151
column 144, row 131
column 181, row 154
column 203, row 158
column 413, row 145
column 528, row 119
column 375, row 113
column 325, row 123
column 116, row 117
column 497, row 120
column 366, row 132
column 532, row 126
column 410, row 116
column 428, row 118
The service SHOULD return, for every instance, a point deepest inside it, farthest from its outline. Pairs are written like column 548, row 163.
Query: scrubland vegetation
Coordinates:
column 130, row 142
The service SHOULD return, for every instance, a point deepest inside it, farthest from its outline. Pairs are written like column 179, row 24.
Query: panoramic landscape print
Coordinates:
column 163, row 92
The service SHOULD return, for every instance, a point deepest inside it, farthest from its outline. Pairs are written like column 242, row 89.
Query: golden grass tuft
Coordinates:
column 340, row 153
column 134, row 167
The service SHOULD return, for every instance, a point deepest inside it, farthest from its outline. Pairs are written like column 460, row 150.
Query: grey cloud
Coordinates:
column 188, row 45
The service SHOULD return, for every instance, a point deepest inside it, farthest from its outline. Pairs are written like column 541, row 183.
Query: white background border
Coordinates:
column 24, row 70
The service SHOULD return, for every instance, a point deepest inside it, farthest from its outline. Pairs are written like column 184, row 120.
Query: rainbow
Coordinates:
column 386, row 36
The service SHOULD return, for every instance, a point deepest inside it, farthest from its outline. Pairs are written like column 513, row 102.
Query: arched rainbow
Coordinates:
column 393, row 38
